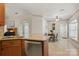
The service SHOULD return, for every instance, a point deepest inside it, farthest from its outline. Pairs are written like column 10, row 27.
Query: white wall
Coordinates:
column 16, row 15
column 36, row 25
column 45, row 26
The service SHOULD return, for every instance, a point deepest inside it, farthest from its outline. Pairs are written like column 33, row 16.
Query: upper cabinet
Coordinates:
column 2, row 14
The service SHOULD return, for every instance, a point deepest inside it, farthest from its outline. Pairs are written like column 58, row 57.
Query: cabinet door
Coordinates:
column 0, row 48
column 11, row 51
column 2, row 14
column 11, row 48
column 0, row 51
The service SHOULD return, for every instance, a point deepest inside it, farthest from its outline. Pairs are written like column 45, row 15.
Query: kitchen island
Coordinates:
column 15, row 45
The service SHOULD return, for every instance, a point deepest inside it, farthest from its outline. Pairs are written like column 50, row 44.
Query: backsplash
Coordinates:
column 1, row 31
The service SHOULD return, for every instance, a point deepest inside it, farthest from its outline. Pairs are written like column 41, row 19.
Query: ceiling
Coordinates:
column 50, row 10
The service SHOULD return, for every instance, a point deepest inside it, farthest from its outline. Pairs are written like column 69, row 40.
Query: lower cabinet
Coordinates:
column 11, row 51
column 12, row 48
column 0, row 51
column 0, row 48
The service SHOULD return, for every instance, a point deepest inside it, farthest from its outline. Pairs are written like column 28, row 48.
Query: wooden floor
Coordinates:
column 63, row 47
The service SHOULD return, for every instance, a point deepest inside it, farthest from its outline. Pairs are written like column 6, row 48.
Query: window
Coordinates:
column 73, row 29
column 63, row 29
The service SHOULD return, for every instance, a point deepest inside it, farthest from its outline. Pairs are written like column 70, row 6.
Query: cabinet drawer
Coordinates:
column 9, row 43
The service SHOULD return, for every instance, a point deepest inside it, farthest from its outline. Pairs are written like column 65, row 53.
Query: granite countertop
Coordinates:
column 10, row 38
column 32, row 37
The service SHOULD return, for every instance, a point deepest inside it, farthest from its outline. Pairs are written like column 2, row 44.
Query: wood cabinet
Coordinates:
column 12, row 48
column 0, row 48
column 2, row 14
column 11, row 51
column 0, row 52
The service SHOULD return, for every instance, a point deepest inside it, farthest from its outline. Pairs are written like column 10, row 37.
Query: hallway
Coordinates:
column 62, row 47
